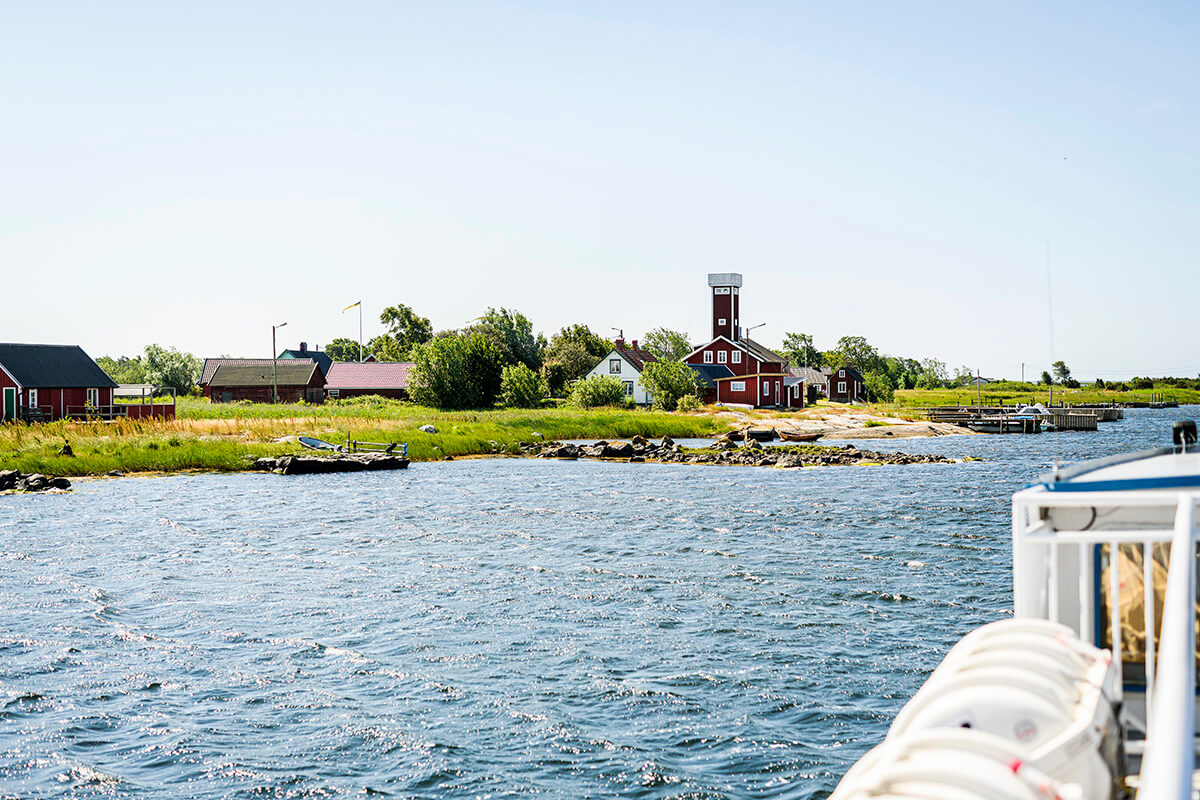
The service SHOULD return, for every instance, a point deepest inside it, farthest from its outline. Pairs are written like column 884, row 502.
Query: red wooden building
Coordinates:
column 752, row 374
column 352, row 379
column 294, row 380
column 846, row 385
column 41, row 382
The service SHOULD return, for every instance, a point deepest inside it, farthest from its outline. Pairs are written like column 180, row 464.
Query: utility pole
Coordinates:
column 274, row 361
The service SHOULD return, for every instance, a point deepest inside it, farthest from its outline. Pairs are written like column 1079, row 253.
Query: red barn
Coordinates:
column 293, row 379
column 753, row 374
column 51, row 381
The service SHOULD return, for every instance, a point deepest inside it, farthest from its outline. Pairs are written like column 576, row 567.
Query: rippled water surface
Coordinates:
column 494, row 628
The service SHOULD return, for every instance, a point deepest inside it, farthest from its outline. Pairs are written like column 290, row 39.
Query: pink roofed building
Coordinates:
column 386, row 379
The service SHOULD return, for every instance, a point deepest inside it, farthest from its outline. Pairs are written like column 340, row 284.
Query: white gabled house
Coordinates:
column 625, row 363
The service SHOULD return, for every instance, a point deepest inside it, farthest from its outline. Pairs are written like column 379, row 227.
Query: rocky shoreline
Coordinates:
column 321, row 465
column 725, row 452
column 13, row 481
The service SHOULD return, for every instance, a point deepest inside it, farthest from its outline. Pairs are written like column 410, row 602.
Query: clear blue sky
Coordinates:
column 189, row 174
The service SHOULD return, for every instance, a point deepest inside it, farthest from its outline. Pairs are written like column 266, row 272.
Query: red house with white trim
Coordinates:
column 734, row 367
column 43, row 382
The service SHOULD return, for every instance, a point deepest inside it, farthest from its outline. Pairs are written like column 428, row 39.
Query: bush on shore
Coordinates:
column 598, row 390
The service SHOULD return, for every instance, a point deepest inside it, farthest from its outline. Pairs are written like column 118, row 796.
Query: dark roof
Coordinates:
column 636, row 356
column 322, row 360
column 813, row 375
column 211, row 364
column 761, row 352
column 709, row 373
column 368, row 375
column 854, row 373
column 53, row 366
column 287, row 372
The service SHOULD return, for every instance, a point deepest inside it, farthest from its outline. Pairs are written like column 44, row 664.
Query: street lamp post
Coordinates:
column 274, row 360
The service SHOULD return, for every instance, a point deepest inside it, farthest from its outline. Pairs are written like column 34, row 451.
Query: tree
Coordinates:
column 1061, row 371
column 667, row 381
column 344, row 350
column 668, row 345
column 169, row 367
column 521, row 387
column 456, row 371
column 123, row 369
column 879, row 386
column 859, row 353
column 798, row 347
column 933, row 374
column 598, row 390
column 1046, row 379
column 512, row 334
column 571, row 354
column 405, row 330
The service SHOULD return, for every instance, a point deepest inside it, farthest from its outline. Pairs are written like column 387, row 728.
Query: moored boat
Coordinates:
column 795, row 435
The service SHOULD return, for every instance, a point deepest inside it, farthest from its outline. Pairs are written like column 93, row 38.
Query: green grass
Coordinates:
column 227, row 437
column 1015, row 392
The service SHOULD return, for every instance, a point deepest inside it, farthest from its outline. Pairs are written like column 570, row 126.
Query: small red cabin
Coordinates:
column 43, row 382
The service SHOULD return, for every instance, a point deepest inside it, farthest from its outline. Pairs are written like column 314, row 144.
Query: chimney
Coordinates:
column 303, row 348
column 620, row 341
column 635, row 344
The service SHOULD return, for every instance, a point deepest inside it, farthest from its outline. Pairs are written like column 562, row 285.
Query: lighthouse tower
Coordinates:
column 726, row 316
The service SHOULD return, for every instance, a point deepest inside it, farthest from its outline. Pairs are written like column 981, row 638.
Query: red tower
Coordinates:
column 726, row 316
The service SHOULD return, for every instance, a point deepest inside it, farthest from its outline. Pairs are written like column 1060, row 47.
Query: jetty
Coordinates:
column 1010, row 419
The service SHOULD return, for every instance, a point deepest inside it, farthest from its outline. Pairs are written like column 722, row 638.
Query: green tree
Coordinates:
column 512, row 334
column 667, row 344
column 123, row 369
column 169, row 367
column 571, row 354
column 405, row 330
column 933, row 374
column 344, row 350
column 859, row 353
column 1046, row 379
column 521, row 387
column 798, row 347
column 1061, row 371
column 598, row 390
column 667, row 381
column 456, row 371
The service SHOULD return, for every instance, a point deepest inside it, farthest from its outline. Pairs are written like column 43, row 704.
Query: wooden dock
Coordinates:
column 1002, row 419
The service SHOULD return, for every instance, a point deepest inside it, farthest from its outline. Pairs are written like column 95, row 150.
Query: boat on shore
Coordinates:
column 795, row 435
column 1089, row 691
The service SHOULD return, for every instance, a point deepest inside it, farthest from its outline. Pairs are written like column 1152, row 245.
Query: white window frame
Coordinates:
column 334, row 392
column 721, row 290
column 722, row 356
column 737, row 356
column 841, row 373
column 32, row 397
column 628, row 388
column 93, row 398
column 841, row 387
column 708, row 357
column 720, row 320
column 614, row 366
column 737, row 386
column 766, row 388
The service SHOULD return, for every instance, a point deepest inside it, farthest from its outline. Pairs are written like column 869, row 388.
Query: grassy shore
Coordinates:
column 228, row 437
column 1012, row 392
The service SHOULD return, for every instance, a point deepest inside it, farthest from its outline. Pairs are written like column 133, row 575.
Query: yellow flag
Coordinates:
column 347, row 308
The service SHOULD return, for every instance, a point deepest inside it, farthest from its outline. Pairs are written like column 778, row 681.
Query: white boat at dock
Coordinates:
column 1076, row 696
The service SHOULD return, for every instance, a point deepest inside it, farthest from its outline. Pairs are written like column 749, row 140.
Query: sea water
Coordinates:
column 498, row 627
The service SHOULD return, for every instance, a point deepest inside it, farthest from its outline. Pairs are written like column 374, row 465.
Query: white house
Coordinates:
column 625, row 363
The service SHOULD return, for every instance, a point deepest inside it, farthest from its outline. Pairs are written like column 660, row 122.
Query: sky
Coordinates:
column 994, row 185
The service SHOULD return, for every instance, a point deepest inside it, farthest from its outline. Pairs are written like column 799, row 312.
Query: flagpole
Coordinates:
column 360, row 360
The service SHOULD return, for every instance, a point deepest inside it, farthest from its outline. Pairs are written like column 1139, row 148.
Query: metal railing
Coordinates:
column 1049, row 560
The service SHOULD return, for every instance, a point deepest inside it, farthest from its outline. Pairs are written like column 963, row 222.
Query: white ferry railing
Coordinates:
column 1170, row 755
column 1039, row 580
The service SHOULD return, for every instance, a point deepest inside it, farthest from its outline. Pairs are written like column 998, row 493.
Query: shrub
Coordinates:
column 521, row 387
column 456, row 372
column 689, row 402
column 667, row 381
column 598, row 390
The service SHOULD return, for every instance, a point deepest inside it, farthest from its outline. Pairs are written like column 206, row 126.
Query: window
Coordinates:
column 737, row 356
column 721, row 290
column 33, row 398
column 722, row 356
column 334, row 392
column 721, row 321
column 737, row 386
column 841, row 373
column 629, row 388
column 614, row 366
column 766, row 388
column 93, row 398
column 841, row 387
column 708, row 356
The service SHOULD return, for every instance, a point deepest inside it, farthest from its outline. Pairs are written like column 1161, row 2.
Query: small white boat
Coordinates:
column 1071, row 698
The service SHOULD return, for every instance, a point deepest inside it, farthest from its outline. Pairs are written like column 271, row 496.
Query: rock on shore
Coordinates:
column 750, row 455
column 343, row 462
column 13, row 481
